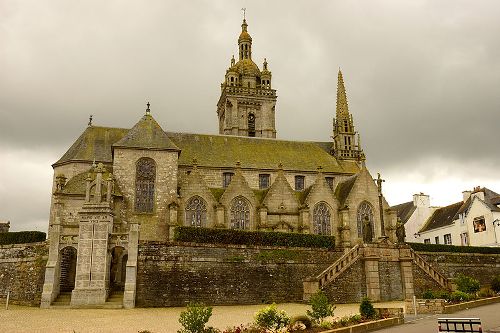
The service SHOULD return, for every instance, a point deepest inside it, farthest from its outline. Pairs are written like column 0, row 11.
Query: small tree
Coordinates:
column 366, row 308
column 269, row 318
column 194, row 318
column 467, row 284
column 320, row 307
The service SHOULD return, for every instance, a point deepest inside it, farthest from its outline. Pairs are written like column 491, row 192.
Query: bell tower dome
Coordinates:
column 247, row 103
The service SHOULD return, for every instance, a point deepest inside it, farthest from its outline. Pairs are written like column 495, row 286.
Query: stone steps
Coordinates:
column 63, row 300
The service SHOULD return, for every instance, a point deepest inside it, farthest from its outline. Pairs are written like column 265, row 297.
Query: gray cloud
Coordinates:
column 422, row 76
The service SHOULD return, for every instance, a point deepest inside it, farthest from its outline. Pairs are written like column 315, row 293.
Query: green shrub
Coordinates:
column 326, row 324
column 21, row 237
column 460, row 296
column 301, row 319
column 466, row 284
column 486, row 292
column 269, row 318
column 194, row 318
column 320, row 307
column 366, row 308
column 454, row 248
column 495, row 284
column 428, row 294
column 241, row 237
column 433, row 294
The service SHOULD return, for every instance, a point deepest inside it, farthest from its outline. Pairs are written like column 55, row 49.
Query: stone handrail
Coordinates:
column 339, row 266
column 433, row 273
column 249, row 91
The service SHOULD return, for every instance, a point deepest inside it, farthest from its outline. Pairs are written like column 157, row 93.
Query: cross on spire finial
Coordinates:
column 90, row 121
column 148, row 111
column 244, row 13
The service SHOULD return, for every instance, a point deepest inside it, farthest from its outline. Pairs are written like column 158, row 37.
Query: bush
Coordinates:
column 495, row 284
column 241, row 237
column 428, row 294
column 21, row 237
column 460, row 296
column 320, row 307
column 350, row 320
column 454, row 248
column 486, row 292
column 433, row 294
column 467, row 284
column 366, row 309
column 194, row 318
column 269, row 318
column 303, row 320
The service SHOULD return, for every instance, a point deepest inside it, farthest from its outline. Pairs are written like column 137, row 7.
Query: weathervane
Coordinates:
column 244, row 13
column 148, row 111
column 90, row 120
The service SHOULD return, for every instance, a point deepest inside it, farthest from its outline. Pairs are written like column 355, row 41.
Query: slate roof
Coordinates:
column 147, row 134
column 221, row 151
column 404, row 210
column 442, row 217
column 344, row 188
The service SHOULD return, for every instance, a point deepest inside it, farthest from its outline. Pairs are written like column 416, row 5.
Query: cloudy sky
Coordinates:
column 422, row 77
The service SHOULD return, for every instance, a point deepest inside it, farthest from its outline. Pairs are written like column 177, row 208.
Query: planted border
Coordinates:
column 240, row 237
column 454, row 248
column 21, row 237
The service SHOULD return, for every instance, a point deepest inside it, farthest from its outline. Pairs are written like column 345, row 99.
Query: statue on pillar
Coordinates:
column 400, row 231
column 367, row 230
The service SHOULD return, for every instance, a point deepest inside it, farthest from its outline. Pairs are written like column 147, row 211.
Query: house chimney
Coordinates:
column 421, row 200
column 466, row 195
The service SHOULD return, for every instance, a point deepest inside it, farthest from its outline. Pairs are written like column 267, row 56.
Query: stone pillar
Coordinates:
column 219, row 215
column 131, row 269
column 372, row 273
column 173, row 220
column 51, row 283
column 263, row 216
column 345, row 229
column 406, row 264
column 311, row 286
column 304, row 220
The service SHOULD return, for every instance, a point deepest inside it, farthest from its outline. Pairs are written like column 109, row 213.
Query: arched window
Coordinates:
column 321, row 219
column 251, row 125
column 196, row 212
column 365, row 220
column 145, row 176
column 240, row 213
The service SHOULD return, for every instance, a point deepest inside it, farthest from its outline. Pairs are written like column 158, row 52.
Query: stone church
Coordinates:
column 117, row 187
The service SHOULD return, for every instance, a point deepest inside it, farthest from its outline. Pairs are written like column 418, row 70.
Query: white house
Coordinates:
column 413, row 214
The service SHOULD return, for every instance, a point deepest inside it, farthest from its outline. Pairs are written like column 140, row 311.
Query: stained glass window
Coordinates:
column 321, row 219
column 240, row 213
column 145, row 185
column 365, row 219
column 196, row 212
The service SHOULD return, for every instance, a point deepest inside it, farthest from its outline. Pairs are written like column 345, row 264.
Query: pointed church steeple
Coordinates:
column 345, row 141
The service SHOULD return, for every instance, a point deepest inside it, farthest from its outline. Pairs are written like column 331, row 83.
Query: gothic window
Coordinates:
column 365, row 220
column 240, row 213
column 196, row 212
column 251, row 125
column 226, row 179
column 321, row 219
column 299, row 183
column 264, row 180
column 145, row 185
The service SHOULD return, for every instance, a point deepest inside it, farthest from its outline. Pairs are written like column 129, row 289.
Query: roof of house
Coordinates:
column 221, row 151
column 404, row 211
column 442, row 217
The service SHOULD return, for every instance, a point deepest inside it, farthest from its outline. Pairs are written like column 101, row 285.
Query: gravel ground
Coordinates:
column 30, row 319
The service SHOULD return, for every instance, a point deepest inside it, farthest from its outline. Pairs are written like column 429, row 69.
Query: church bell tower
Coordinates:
column 247, row 103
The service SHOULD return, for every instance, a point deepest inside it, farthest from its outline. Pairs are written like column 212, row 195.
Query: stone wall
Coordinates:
column 172, row 275
column 350, row 286
column 22, row 269
column 391, row 285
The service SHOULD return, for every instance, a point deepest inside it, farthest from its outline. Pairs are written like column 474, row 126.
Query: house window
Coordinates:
column 240, row 213
column 264, row 180
column 479, row 224
column 436, row 240
column 427, row 241
column 251, row 125
column 329, row 181
column 145, row 176
column 464, row 238
column 447, row 239
column 196, row 212
column 226, row 178
column 321, row 219
column 299, row 183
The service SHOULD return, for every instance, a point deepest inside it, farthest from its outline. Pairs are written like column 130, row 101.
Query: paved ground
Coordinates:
column 28, row 319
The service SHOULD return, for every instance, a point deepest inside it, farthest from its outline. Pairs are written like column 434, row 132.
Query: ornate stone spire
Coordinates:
column 342, row 107
column 245, row 42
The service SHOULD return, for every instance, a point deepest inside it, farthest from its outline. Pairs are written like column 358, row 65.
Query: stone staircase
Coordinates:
column 427, row 268
column 114, row 301
column 311, row 285
column 63, row 300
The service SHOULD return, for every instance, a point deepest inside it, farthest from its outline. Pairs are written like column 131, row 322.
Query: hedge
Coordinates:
column 454, row 248
column 21, row 237
column 240, row 237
